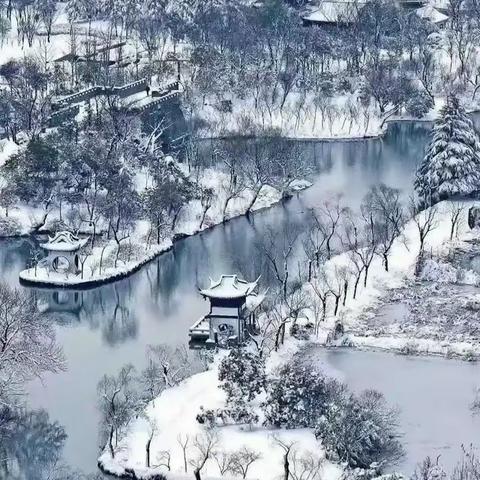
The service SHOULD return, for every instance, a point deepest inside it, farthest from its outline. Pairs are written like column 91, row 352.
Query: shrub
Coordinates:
column 242, row 374
column 419, row 104
column 9, row 227
column 360, row 430
column 298, row 397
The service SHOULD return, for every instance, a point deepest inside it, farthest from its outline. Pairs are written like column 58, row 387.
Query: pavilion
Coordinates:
column 63, row 253
column 232, row 311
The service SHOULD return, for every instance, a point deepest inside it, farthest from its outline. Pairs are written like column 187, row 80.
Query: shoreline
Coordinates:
column 76, row 284
column 352, row 138
column 395, row 351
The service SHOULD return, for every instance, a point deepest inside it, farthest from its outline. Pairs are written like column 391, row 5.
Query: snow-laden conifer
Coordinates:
column 452, row 162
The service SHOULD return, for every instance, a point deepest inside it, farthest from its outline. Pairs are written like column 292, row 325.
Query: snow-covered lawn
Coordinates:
column 367, row 324
column 100, row 265
column 174, row 415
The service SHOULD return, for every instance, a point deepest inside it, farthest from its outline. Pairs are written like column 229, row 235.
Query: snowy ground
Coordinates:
column 99, row 265
column 174, row 416
column 339, row 120
column 173, row 413
column 398, row 312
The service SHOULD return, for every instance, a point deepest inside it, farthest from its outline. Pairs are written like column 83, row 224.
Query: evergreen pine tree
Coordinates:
column 452, row 162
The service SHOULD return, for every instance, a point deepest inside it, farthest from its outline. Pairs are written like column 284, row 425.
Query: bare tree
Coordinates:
column 328, row 220
column 306, row 466
column 233, row 186
column 27, row 344
column 287, row 448
column 425, row 221
column 336, row 285
column 243, row 460
column 279, row 262
column 164, row 459
column 455, row 210
column 224, row 461
column 174, row 364
column 152, row 431
column 322, row 291
column 384, row 206
column 314, row 245
column 118, row 403
column 184, row 442
column 205, row 445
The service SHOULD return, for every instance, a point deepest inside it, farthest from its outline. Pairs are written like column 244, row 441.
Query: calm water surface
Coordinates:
column 104, row 328
column 434, row 396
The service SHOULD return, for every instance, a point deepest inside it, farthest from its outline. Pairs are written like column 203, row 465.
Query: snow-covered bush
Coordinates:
column 409, row 348
column 360, row 430
column 298, row 396
column 435, row 271
column 419, row 104
column 242, row 374
column 302, row 331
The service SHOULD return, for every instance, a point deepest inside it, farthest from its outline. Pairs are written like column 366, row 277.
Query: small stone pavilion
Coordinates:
column 63, row 253
column 232, row 311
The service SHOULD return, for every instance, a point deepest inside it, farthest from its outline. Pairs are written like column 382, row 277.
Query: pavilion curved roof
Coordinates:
column 229, row 287
column 64, row 242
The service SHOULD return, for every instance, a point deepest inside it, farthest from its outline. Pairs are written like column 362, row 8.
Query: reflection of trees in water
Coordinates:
column 106, row 308
column 407, row 138
column 163, row 277
column 15, row 252
column 30, row 445
column 121, row 325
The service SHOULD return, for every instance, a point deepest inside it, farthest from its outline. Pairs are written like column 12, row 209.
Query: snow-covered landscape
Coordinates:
column 210, row 210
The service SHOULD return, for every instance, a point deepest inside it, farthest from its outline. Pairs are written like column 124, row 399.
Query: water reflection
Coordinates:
column 104, row 328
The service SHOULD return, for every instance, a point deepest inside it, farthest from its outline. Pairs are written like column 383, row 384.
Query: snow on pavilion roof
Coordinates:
column 229, row 286
column 334, row 12
column 64, row 242
column 431, row 13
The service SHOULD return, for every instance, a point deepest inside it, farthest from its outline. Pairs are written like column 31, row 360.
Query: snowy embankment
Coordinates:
column 173, row 415
column 364, row 327
column 108, row 262
column 344, row 118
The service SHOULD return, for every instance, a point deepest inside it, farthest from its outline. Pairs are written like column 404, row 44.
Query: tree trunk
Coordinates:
column 196, row 472
column 355, row 288
column 110, row 442
column 366, row 276
column 252, row 202
column 149, row 443
column 286, row 467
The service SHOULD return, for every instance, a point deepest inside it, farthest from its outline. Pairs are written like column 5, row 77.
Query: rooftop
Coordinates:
column 431, row 13
column 229, row 286
column 64, row 242
column 334, row 12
